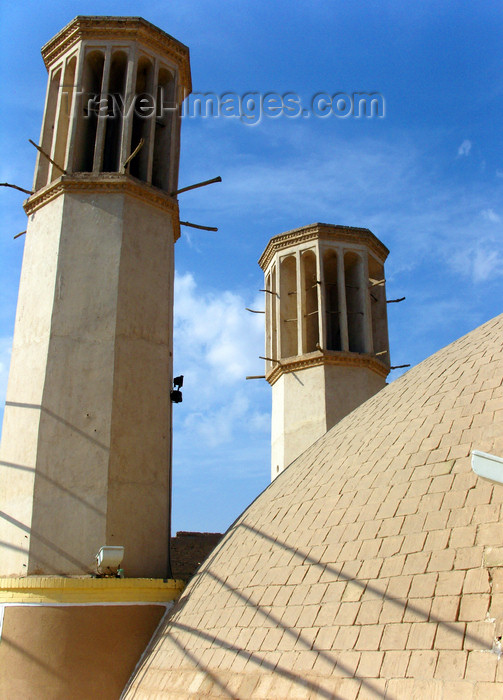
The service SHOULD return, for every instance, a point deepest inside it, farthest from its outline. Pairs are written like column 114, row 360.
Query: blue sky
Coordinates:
column 427, row 179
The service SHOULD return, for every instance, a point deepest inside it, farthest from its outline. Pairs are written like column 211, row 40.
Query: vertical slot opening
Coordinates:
column 116, row 106
column 48, row 129
column 332, row 301
column 378, row 308
column 92, row 77
column 65, row 110
column 288, row 301
column 144, row 111
column 311, row 323
column 163, row 130
column 354, row 301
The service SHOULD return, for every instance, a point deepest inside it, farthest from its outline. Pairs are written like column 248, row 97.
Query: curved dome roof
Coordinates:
column 373, row 565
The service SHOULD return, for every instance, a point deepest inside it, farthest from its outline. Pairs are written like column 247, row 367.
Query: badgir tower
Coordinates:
column 372, row 565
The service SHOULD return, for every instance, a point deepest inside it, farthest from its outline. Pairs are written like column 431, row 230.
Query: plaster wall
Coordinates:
column 308, row 402
column 97, row 343
column 18, row 450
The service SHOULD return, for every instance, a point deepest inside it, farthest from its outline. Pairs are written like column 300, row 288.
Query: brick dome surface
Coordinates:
column 371, row 567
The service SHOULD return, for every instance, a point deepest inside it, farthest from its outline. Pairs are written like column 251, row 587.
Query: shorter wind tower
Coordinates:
column 327, row 347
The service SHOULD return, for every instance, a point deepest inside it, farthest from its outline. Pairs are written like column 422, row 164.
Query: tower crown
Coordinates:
column 115, row 85
column 325, row 318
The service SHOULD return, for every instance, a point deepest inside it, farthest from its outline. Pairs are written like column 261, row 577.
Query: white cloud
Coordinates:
column 217, row 343
column 465, row 148
column 490, row 215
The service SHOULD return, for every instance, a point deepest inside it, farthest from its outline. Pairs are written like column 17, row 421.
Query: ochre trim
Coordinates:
column 328, row 232
column 315, row 359
column 120, row 28
column 109, row 183
column 56, row 589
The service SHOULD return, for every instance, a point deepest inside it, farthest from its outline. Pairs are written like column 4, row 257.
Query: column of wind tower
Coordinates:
column 327, row 345
column 86, row 444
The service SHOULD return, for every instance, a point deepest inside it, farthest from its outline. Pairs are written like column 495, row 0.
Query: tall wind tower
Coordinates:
column 86, row 444
column 327, row 345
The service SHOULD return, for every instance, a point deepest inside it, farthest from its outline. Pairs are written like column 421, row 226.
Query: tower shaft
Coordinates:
column 86, row 442
column 326, row 331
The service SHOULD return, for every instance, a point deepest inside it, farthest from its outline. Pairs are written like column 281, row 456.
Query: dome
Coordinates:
column 372, row 566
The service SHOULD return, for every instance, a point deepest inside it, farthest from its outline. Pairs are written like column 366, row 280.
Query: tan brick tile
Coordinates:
column 450, row 635
column 272, row 639
column 413, row 543
column 417, row 610
column 413, row 523
column 487, row 513
column 353, row 591
column 419, row 487
column 409, row 506
column 445, row 608
column 416, row 563
column 400, row 688
column 423, row 585
column 395, row 636
column 346, row 638
column 480, row 635
column 481, row 666
column 392, row 610
column 369, row 637
column 463, row 536
column 437, row 539
column 490, row 534
column 370, row 568
column 393, row 566
column 398, row 586
column 390, row 526
column 395, row 664
column 451, row 665
column 308, row 616
column 325, row 637
column 481, row 494
column 327, row 614
column 421, row 635
column 496, row 607
column 369, row 549
column 347, row 613
column 442, row 484
column 350, row 569
column 473, row 607
column 454, row 500
column 369, row 612
column 422, row 664
column 390, row 546
column 458, row 690
column 487, row 691
column 469, row 557
column 370, row 664
column 460, row 517
column 332, row 592
column 347, row 663
column 442, row 560
column 476, row 581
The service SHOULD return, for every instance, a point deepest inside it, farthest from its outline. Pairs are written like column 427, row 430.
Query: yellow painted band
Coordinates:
column 56, row 589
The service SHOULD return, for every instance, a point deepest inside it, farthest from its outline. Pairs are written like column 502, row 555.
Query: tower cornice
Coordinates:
column 315, row 359
column 108, row 28
column 329, row 232
column 109, row 183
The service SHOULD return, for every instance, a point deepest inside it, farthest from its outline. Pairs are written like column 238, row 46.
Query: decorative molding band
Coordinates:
column 109, row 183
column 343, row 234
column 58, row 589
column 119, row 28
column 342, row 359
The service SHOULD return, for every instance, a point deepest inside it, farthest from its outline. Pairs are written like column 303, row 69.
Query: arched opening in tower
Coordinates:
column 92, row 77
column 142, row 118
column 116, row 107
column 162, row 166
column 353, row 277
column 288, row 305
column 310, row 302
column 378, row 309
column 332, row 310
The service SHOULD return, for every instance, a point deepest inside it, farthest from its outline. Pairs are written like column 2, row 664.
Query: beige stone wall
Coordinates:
column 371, row 568
column 86, row 443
